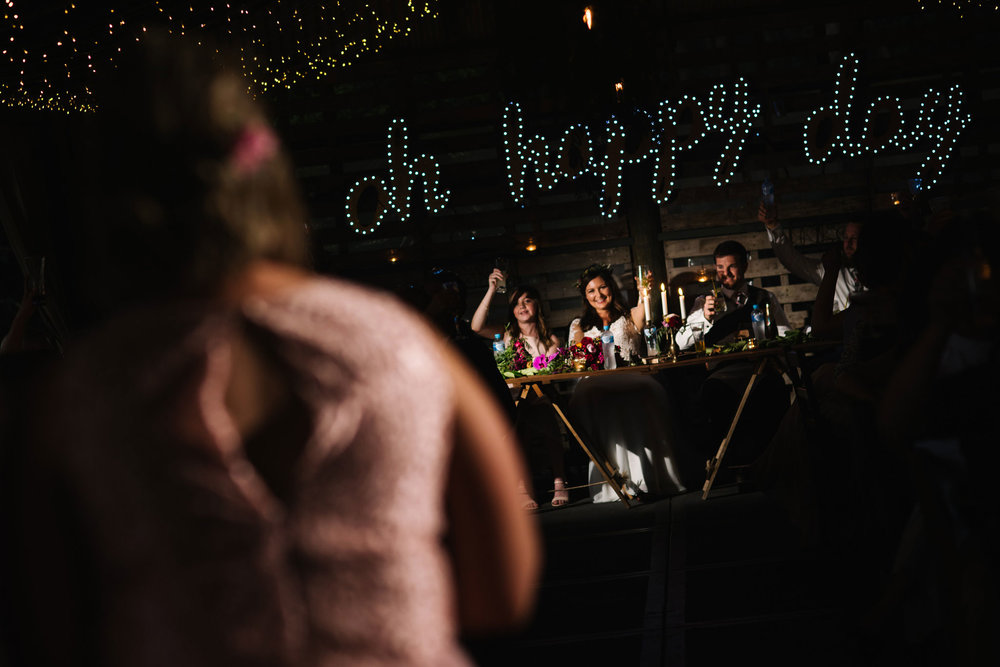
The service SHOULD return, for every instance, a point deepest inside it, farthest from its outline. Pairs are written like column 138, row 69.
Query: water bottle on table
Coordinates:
column 608, row 347
column 757, row 319
column 498, row 345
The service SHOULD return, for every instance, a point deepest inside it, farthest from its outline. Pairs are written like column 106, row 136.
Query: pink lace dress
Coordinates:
column 198, row 562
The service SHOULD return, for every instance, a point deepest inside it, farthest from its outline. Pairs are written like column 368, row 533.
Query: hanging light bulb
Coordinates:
column 588, row 17
column 531, row 247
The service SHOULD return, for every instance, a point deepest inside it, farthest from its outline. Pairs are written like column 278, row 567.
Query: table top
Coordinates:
column 663, row 363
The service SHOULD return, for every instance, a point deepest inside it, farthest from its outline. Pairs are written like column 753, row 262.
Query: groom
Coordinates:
column 724, row 317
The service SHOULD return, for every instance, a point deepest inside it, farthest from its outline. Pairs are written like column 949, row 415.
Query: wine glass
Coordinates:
column 720, row 300
column 642, row 276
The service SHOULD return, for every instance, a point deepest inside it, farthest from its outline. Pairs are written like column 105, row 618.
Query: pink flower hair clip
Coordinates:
column 255, row 144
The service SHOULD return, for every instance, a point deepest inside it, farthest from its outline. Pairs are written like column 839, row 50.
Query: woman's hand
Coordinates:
column 494, row 280
column 639, row 280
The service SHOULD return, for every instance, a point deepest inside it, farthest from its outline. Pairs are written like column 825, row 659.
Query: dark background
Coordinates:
column 450, row 80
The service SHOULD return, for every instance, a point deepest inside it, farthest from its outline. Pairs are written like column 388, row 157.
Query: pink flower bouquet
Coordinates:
column 591, row 352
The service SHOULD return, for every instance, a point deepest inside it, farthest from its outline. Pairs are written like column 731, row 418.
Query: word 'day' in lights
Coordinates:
column 726, row 109
column 936, row 124
column 394, row 194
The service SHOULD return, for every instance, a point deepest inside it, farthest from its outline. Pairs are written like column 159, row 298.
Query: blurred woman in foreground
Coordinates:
column 258, row 479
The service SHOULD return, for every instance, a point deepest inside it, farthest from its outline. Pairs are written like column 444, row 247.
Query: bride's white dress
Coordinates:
column 627, row 337
column 630, row 420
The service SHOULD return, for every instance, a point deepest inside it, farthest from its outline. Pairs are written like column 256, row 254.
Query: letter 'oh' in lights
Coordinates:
column 395, row 194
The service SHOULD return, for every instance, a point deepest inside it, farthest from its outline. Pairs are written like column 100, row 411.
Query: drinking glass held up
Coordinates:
column 503, row 264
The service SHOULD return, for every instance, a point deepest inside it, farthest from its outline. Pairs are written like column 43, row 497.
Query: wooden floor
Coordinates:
column 683, row 582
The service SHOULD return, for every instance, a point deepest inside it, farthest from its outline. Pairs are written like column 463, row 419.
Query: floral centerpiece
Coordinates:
column 671, row 323
column 515, row 361
column 588, row 355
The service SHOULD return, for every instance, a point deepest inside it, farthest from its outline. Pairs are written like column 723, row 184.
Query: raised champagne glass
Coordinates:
column 503, row 264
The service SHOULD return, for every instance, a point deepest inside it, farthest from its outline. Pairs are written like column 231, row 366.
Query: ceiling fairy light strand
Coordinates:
column 963, row 7
column 52, row 51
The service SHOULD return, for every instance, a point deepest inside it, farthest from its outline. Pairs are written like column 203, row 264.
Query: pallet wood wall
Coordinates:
column 452, row 78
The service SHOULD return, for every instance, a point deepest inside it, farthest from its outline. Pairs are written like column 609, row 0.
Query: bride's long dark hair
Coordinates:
column 590, row 318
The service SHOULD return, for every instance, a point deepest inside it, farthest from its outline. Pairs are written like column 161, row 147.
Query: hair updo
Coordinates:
column 190, row 182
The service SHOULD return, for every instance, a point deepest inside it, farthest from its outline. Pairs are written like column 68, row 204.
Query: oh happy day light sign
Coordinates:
column 726, row 110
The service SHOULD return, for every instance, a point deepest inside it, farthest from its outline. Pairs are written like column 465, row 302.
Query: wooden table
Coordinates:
column 786, row 358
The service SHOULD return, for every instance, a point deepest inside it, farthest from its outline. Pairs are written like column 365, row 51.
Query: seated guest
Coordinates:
column 603, row 305
column 536, row 421
column 828, row 443
column 525, row 320
column 811, row 269
column 724, row 317
column 441, row 298
column 885, row 235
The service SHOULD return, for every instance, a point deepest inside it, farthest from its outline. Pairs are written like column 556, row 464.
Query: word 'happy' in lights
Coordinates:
column 726, row 109
column 934, row 126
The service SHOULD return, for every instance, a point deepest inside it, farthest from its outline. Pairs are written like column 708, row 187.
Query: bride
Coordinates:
column 603, row 306
column 627, row 418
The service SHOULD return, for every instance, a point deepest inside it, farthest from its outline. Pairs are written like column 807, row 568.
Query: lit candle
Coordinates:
column 663, row 298
column 645, row 304
column 680, row 295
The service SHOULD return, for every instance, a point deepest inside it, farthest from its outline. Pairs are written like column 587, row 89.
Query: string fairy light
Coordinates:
column 52, row 50
column 963, row 7
column 395, row 194
column 937, row 124
column 725, row 109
